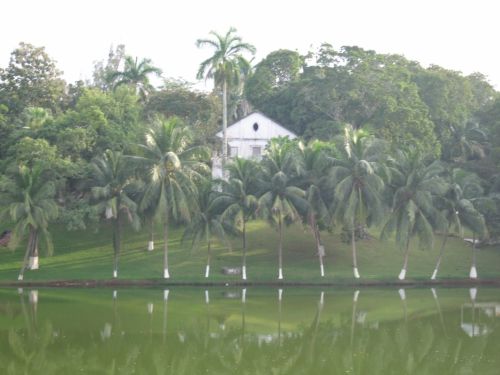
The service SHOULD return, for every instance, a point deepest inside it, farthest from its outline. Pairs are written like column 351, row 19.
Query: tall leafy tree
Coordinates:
column 238, row 200
column 112, row 190
column 415, row 183
column 175, row 167
column 136, row 74
column 359, row 185
column 226, row 67
column 27, row 198
column 31, row 80
column 282, row 201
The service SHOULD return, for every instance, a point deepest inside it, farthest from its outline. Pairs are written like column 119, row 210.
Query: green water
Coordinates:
column 252, row 331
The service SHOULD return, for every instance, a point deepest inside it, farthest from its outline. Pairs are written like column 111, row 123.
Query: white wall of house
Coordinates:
column 248, row 137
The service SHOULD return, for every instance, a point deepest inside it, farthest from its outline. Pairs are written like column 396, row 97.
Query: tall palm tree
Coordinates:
column 226, row 67
column 175, row 167
column 415, row 183
column 281, row 201
column 112, row 191
column 27, row 199
column 205, row 222
column 238, row 199
column 136, row 74
column 359, row 185
column 459, row 212
column 317, row 182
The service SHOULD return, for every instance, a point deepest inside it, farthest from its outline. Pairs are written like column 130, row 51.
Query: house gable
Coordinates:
column 256, row 126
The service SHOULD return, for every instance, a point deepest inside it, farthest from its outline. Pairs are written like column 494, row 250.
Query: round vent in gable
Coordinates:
column 255, row 126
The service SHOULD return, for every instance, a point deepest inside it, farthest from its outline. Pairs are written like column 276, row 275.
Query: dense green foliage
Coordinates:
column 382, row 142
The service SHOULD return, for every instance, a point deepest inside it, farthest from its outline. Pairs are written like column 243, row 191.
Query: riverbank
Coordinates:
column 116, row 283
column 85, row 259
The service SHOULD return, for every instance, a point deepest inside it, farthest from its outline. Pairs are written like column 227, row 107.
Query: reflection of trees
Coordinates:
column 197, row 343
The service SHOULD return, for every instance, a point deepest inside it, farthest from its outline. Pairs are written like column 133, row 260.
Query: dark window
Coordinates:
column 255, row 126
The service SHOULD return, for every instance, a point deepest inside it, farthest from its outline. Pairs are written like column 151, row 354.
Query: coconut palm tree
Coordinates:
column 281, row 201
column 238, row 199
column 358, row 184
column 175, row 168
column 205, row 222
column 27, row 199
column 317, row 182
column 113, row 190
column 467, row 142
column 459, row 212
column 226, row 67
column 415, row 183
column 136, row 74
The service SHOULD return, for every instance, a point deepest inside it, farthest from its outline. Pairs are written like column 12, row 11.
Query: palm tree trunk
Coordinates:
column 224, row 126
column 317, row 239
column 280, row 248
column 402, row 274
column 117, row 238
column 29, row 247
column 473, row 270
column 151, row 243
column 354, row 256
column 207, row 270
column 166, row 274
column 33, row 258
column 438, row 263
column 321, row 251
column 244, row 261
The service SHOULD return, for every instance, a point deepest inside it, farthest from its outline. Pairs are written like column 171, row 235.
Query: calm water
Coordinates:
column 252, row 331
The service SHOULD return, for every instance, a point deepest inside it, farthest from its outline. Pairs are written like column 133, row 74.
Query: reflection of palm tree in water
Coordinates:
column 29, row 351
column 436, row 299
column 165, row 314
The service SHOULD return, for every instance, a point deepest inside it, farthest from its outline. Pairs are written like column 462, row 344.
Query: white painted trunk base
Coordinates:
column 109, row 212
column 402, row 294
column 33, row 263
column 322, row 298
column 151, row 245
column 166, row 275
column 150, row 308
column 20, row 290
column 473, row 273
column 280, row 294
column 280, row 274
column 20, row 277
column 115, row 294
column 244, row 272
column 356, row 296
column 402, row 274
column 207, row 297
column 434, row 274
column 165, row 294
column 115, row 274
column 356, row 273
column 322, row 270
column 473, row 293
column 244, row 295
column 207, row 271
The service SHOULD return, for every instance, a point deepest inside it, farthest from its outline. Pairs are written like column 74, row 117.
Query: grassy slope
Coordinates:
column 88, row 255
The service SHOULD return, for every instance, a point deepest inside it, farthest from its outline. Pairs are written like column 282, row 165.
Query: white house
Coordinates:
column 248, row 137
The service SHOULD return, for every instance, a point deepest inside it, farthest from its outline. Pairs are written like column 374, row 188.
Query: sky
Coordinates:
column 458, row 35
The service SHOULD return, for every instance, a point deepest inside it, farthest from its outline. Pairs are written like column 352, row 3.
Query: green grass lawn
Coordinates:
column 88, row 255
